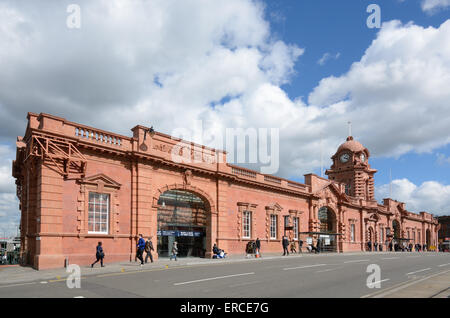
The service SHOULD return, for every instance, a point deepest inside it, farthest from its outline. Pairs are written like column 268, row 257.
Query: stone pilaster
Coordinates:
column 222, row 217
column 49, row 222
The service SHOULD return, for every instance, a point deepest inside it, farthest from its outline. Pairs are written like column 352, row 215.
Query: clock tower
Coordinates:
column 351, row 167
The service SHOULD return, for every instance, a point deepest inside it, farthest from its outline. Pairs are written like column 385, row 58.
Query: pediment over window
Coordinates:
column 100, row 179
column 274, row 207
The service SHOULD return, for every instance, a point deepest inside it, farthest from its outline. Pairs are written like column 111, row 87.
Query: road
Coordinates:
column 332, row 275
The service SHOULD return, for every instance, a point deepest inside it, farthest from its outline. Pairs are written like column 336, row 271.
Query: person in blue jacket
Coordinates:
column 99, row 255
column 140, row 248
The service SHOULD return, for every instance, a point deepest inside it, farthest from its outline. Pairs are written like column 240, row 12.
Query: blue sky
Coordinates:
column 304, row 67
column 334, row 27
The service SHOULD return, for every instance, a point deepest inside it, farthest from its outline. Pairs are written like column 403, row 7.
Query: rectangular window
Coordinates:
column 98, row 218
column 247, row 224
column 295, row 228
column 273, row 226
column 381, row 234
column 352, row 232
column 286, row 220
column 414, row 236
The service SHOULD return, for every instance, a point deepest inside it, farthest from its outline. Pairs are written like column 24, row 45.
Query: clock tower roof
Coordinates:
column 352, row 145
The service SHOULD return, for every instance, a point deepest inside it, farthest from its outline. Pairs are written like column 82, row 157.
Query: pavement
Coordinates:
column 402, row 274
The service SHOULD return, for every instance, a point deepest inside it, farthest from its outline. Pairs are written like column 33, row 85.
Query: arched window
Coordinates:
column 327, row 220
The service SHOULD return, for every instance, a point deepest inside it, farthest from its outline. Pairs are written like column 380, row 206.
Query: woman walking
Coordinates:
column 99, row 255
column 174, row 251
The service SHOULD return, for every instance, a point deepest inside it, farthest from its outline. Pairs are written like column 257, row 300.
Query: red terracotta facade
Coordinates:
column 59, row 163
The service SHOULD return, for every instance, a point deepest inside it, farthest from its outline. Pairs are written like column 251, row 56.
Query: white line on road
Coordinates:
column 359, row 260
column 17, row 285
column 245, row 284
column 443, row 265
column 212, row 278
column 326, row 270
column 300, row 267
column 390, row 257
column 377, row 282
column 421, row 270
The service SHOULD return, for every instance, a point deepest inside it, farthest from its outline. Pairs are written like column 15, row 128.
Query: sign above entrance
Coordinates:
column 179, row 233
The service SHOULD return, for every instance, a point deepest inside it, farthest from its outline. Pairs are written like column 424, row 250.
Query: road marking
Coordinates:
column 360, row 260
column 390, row 257
column 244, row 284
column 443, row 265
column 16, row 285
column 44, row 282
column 326, row 270
column 401, row 286
column 300, row 267
column 421, row 270
column 78, row 297
column 377, row 282
column 412, row 256
column 212, row 278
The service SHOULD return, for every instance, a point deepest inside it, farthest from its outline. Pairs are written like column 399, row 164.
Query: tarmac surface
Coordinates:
column 346, row 275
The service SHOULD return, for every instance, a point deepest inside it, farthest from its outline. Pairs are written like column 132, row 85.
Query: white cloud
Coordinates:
column 326, row 57
column 430, row 196
column 442, row 159
column 431, row 6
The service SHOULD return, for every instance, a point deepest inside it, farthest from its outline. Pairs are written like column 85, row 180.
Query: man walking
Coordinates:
column 140, row 248
column 285, row 243
column 258, row 246
column 148, row 250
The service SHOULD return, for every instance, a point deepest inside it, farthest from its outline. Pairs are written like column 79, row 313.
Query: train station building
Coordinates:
column 78, row 185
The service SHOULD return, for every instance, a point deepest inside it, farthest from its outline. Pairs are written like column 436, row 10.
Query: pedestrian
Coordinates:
column 174, row 251
column 293, row 248
column 285, row 243
column 375, row 246
column 148, row 250
column 99, row 254
column 140, row 246
column 390, row 246
column 215, row 251
column 300, row 244
column 318, row 245
column 258, row 246
column 369, row 246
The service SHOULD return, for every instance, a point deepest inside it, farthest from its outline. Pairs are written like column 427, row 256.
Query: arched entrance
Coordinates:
column 396, row 229
column 428, row 239
column 328, row 224
column 182, row 217
column 396, row 235
column 370, row 238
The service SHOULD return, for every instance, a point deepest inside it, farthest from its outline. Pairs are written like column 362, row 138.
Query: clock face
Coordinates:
column 363, row 157
column 345, row 157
